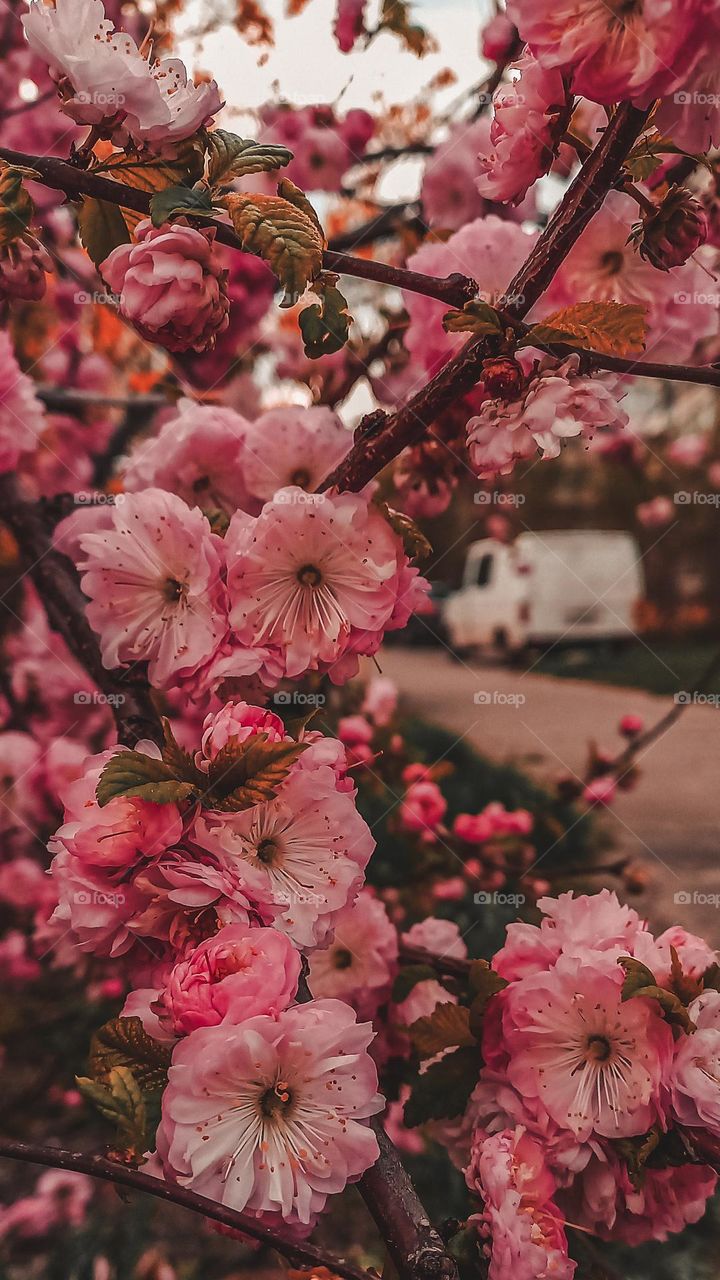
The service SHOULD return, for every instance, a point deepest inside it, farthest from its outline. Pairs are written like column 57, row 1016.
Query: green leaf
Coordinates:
column 176, row 202
column 179, row 761
column 16, row 206
column 247, row 773
column 284, row 230
column 133, row 774
column 442, row 1091
column 325, row 326
column 613, row 328
column 408, row 977
column 232, row 157
column 672, row 1007
column 637, row 1151
column 124, row 1042
column 102, row 228
column 447, row 1027
column 476, row 317
column 637, row 976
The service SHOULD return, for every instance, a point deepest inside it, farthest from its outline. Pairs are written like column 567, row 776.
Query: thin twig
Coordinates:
column 299, row 1253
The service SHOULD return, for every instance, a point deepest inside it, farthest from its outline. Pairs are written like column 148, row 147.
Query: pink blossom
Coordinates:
column 497, row 38
column 610, row 57
column 113, row 838
column 60, row 1198
column 530, row 117
column 324, row 145
column 198, row 454
column 304, row 851
column 694, row 953
column 293, row 446
column 269, row 1117
column 449, row 192
column 603, row 267
column 656, row 512
column 520, row 1220
column 153, row 579
column 250, row 286
column 600, row 791
column 688, row 450
column 423, row 807
column 359, row 964
column 104, row 79
column 631, row 725
column 236, row 722
column 489, row 251
column 571, row 925
column 310, row 580
column 17, row 964
column 604, row 1200
column 422, row 1001
column 20, row 771
column 170, row 285
column 21, row 413
column 595, row 1061
column 696, row 1068
column 440, row 936
column 380, row 701
column 349, row 23
column 498, row 438
column 234, row 975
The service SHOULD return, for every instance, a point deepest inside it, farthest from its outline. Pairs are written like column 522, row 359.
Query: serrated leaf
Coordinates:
column 175, row 202
column 416, row 545
column 325, row 326
column 135, row 775
column 672, row 1007
column 684, row 985
column 119, row 1099
column 612, row 328
column 230, row 156
column 408, row 977
column 476, row 317
column 442, row 1091
column 283, row 234
column 637, row 1151
column 102, row 228
column 124, row 1042
column 447, row 1027
column 16, row 206
column 179, row 761
column 153, row 175
column 484, row 983
column 247, row 773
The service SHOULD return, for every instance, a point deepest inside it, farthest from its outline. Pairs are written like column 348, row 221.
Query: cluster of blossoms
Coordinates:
column 210, row 910
column 557, row 403
column 588, row 1085
column 104, row 80
column 530, row 116
column 324, row 145
column 300, row 581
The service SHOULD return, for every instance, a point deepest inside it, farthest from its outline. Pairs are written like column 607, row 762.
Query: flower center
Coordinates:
column 342, row 958
column 267, row 851
column 174, row 590
column 309, row 576
column 598, row 1049
column 276, row 1100
column 301, row 477
column 612, row 262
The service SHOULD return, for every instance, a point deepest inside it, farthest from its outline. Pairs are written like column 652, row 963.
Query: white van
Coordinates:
column 573, row 586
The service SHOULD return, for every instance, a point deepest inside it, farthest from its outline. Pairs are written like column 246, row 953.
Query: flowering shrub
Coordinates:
column 282, row 916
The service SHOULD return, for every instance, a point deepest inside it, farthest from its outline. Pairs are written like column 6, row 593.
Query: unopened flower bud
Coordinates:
column 502, row 378
column 671, row 235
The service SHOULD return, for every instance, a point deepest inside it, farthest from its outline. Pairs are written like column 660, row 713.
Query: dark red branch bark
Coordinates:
column 299, row 1253
column 57, row 584
column 378, row 442
column 455, row 289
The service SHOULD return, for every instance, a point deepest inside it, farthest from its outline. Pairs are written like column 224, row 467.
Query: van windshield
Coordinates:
column 483, row 571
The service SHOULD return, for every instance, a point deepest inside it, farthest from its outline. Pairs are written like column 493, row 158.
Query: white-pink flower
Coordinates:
column 155, row 587
column 268, row 1117
column 22, row 417
column 597, row 1062
column 104, row 79
column 197, row 454
column 359, row 964
column 293, row 446
column 235, row 723
column 237, row 974
column 530, row 116
column 170, row 285
column 303, row 851
column 573, row 925
column 695, row 1077
column 308, row 576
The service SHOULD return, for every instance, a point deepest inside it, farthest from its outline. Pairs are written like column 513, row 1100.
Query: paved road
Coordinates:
column 671, row 820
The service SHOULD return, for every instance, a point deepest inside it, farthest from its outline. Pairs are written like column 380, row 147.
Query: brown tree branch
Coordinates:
column 299, row 1253
column 56, row 580
column 378, row 440
column 454, row 289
